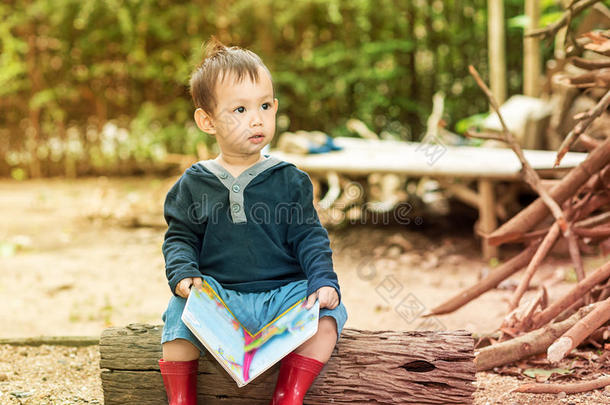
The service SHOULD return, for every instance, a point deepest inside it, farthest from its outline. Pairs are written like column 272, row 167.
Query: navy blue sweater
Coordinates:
column 252, row 233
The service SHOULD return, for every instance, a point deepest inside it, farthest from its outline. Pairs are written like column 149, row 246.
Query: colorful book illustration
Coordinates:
column 243, row 354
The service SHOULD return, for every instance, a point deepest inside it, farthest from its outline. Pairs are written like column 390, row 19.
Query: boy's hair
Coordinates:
column 218, row 62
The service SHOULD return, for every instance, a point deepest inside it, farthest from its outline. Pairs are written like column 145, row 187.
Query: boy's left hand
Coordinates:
column 328, row 298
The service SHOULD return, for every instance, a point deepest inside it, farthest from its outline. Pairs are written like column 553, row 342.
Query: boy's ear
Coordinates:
column 275, row 104
column 204, row 121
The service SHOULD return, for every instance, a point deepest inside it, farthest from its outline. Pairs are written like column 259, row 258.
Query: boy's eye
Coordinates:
column 240, row 109
column 266, row 106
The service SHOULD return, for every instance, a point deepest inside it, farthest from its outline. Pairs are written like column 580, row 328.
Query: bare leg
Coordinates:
column 321, row 345
column 180, row 350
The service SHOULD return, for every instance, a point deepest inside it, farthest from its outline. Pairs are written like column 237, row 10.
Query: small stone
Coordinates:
column 561, row 395
column 393, row 252
column 21, row 394
column 3, row 377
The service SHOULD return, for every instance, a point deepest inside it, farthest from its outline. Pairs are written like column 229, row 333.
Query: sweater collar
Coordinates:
column 237, row 185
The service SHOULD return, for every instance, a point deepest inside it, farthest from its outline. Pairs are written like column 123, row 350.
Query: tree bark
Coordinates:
column 372, row 367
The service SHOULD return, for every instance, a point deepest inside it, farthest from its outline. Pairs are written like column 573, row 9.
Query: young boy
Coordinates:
column 245, row 223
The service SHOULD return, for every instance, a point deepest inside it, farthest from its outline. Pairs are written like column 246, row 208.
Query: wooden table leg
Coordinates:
column 487, row 216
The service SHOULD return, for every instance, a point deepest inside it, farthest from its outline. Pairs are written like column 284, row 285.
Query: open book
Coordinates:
column 246, row 354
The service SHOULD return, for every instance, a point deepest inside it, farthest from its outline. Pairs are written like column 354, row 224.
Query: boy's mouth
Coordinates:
column 256, row 138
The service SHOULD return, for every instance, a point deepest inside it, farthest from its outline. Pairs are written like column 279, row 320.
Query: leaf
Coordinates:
column 550, row 18
column 473, row 121
column 544, row 374
column 519, row 21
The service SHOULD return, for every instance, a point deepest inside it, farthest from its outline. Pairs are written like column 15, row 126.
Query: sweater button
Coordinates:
column 236, row 207
column 223, row 175
column 236, row 188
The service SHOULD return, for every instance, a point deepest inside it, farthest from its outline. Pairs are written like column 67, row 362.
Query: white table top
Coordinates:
column 363, row 156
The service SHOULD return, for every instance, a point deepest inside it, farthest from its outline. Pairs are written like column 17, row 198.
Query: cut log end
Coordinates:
column 558, row 350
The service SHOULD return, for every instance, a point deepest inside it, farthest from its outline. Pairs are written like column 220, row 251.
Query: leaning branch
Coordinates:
column 577, row 292
column 530, row 175
column 568, row 15
column 580, row 128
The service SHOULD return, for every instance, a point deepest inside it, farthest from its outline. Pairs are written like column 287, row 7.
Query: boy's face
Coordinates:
column 244, row 119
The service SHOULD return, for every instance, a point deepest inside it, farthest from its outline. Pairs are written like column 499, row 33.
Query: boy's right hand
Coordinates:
column 184, row 286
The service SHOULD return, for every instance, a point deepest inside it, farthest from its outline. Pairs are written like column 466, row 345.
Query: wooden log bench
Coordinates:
column 367, row 367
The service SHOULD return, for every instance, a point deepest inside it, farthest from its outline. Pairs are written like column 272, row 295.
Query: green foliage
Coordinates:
column 92, row 84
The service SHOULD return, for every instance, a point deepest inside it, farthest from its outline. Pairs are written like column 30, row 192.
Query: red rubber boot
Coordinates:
column 180, row 380
column 296, row 376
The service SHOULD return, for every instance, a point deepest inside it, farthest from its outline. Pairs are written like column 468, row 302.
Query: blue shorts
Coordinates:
column 253, row 310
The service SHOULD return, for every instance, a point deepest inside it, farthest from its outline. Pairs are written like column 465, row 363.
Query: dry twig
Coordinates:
column 552, row 29
column 530, row 175
column 584, row 386
column 544, row 248
column 580, row 128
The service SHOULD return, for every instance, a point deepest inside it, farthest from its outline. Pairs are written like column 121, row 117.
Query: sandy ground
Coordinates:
column 72, row 263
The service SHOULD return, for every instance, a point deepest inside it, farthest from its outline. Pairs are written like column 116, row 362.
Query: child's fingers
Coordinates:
column 197, row 283
column 182, row 289
column 328, row 298
column 311, row 300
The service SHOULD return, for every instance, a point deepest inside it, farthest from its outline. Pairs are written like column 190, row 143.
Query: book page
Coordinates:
column 244, row 355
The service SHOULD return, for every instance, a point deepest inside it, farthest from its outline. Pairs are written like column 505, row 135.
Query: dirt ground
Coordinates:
column 79, row 256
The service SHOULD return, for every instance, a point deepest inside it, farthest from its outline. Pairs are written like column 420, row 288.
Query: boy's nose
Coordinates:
column 256, row 120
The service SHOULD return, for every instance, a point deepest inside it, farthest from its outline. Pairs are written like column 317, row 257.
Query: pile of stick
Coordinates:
column 576, row 88
column 576, row 208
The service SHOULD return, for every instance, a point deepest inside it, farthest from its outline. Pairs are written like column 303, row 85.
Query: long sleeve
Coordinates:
column 182, row 244
column 309, row 240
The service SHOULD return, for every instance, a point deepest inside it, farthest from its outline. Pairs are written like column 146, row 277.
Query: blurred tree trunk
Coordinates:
column 532, row 60
column 497, row 49
column 35, row 78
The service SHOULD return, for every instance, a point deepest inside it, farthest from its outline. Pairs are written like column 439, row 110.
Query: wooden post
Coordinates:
column 367, row 367
column 497, row 49
column 487, row 216
column 532, row 69
column 532, row 61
